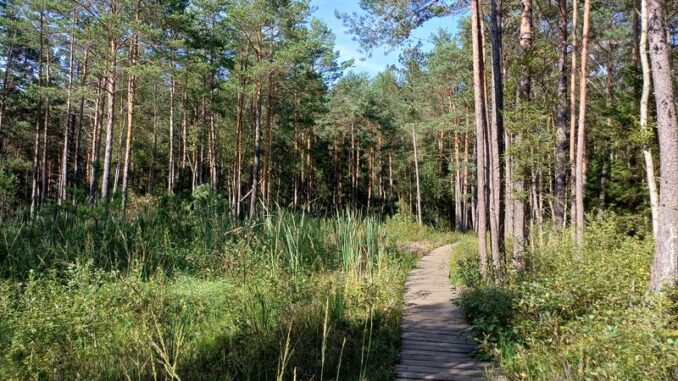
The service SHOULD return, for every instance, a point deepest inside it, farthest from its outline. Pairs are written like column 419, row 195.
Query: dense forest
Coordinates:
column 204, row 190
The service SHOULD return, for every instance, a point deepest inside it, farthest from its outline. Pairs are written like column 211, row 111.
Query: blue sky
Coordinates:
column 379, row 59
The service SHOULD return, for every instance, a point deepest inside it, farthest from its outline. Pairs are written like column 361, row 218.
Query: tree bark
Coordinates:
column 580, row 181
column 573, row 117
column 647, row 152
column 110, row 104
column 665, row 263
column 481, row 128
column 497, row 146
column 257, row 153
column 416, row 173
column 170, row 159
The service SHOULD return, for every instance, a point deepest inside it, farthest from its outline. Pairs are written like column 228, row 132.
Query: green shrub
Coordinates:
column 578, row 315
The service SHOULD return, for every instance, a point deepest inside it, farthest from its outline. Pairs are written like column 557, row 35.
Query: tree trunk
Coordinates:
column 481, row 128
column 416, row 173
column 110, row 104
column 573, row 117
column 580, row 181
column 497, row 146
column 665, row 263
column 560, row 183
column 63, row 175
column 131, row 98
column 647, row 152
column 257, row 153
column 524, row 90
column 93, row 160
column 170, row 161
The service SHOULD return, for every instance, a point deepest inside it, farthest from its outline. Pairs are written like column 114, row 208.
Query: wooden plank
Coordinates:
column 434, row 337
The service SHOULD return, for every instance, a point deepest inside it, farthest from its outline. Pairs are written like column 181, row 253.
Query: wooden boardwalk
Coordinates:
column 434, row 343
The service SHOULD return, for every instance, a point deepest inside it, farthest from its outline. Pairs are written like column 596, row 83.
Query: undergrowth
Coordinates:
column 575, row 315
column 178, row 289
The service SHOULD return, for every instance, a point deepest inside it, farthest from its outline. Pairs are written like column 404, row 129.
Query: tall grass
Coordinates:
column 179, row 289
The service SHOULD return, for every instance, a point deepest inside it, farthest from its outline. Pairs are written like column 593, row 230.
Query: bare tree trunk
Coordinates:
column 416, row 173
column 573, row 116
column 581, row 133
column 131, row 98
column 170, row 161
column 560, row 183
column 481, row 128
column 212, row 147
column 497, row 147
column 257, row 153
column 35, row 190
column 665, row 263
column 647, row 152
column 154, row 154
column 237, row 187
column 110, row 99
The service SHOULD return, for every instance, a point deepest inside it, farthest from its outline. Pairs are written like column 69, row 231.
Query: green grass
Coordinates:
column 575, row 315
column 180, row 290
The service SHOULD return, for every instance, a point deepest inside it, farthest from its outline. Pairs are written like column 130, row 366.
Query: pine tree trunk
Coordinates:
column 481, row 128
column 560, row 181
column 170, row 160
column 257, row 153
column 110, row 111
column 497, row 146
column 573, row 117
column 131, row 98
column 35, row 190
column 665, row 263
column 581, row 132
column 95, row 142
column 416, row 173
column 647, row 152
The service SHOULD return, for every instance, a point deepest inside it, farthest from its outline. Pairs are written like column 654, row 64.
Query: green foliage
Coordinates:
column 180, row 289
column 579, row 314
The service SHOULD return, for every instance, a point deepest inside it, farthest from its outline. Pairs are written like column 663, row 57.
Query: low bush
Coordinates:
column 577, row 315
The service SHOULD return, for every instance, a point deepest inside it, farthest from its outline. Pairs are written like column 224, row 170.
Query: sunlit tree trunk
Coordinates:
column 573, row 117
column 665, row 263
column 110, row 111
column 647, row 153
column 497, row 146
column 416, row 173
column 170, row 152
column 581, row 129
column 481, row 128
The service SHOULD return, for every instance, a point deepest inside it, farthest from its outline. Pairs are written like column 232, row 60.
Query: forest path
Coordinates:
column 434, row 344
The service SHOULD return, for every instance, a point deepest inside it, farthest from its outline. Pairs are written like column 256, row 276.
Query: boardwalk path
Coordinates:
column 434, row 346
